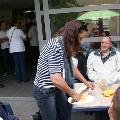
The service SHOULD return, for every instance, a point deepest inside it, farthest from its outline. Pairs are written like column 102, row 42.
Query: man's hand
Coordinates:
column 75, row 97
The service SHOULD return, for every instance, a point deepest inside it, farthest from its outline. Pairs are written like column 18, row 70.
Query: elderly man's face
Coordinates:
column 105, row 44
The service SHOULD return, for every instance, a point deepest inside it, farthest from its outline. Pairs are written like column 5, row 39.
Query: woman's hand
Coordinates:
column 90, row 85
column 75, row 97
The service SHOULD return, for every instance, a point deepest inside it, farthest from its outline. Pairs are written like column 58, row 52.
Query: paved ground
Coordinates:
column 20, row 98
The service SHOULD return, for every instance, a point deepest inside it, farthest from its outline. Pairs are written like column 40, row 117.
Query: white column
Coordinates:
column 118, row 21
column 39, row 24
column 46, row 19
column 118, row 25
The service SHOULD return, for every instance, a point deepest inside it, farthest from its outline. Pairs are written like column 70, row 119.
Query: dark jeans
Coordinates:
column 20, row 66
column 0, row 60
column 6, row 61
column 52, row 103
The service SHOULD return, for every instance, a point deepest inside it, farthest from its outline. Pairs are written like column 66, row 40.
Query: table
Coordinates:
column 100, row 102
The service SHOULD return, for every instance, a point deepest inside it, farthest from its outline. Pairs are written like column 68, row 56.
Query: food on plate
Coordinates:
column 108, row 92
column 107, row 89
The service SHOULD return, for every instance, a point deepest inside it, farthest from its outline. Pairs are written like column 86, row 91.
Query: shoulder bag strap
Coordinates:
column 12, row 34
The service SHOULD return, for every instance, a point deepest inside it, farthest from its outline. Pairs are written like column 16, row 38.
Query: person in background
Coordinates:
column 0, row 52
column 106, row 33
column 17, row 49
column 5, row 50
column 104, row 63
column 1, row 61
column 114, row 109
column 80, row 62
column 54, row 78
column 34, row 44
column 88, row 46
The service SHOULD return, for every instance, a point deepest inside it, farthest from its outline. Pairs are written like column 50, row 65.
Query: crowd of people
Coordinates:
column 14, row 51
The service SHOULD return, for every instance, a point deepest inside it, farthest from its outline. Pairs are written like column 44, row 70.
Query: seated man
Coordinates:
column 114, row 110
column 104, row 63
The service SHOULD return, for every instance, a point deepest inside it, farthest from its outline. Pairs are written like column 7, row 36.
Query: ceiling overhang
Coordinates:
column 16, row 4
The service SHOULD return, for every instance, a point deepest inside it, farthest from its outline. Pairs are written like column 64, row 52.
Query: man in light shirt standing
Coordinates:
column 17, row 49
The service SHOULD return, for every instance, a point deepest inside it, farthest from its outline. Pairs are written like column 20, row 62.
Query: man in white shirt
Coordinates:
column 17, row 49
column 104, row 63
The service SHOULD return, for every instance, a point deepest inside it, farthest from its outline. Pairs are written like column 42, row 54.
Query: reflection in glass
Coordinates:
column 101, row 25
column 54, row 4
column 95, row 2
column 58, row 21
column 77, row 3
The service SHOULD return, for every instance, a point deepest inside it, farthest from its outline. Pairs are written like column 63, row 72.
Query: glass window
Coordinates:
column 58, row 21
column 103, row 24
column 54, row 4
column 95, row 2
column 77, row 3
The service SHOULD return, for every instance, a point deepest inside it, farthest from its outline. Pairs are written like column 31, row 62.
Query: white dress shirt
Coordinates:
column 16, row 42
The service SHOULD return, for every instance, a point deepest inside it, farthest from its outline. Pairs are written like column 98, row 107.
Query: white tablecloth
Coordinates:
column 99, row 100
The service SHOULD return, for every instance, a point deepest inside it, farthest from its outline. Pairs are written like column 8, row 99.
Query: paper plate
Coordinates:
column 89, row 99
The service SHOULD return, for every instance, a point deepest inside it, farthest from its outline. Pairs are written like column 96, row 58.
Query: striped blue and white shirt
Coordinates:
column 51, row 60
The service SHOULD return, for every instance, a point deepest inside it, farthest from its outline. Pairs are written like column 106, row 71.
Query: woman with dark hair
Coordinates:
column 54, row 78
column 114, row 110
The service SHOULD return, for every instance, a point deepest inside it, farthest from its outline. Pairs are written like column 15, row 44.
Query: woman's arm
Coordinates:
column 80, row 77
column 60, row 83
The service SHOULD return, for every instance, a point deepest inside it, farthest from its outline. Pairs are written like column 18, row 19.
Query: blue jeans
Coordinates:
column 20, row 66
column 52, row 103
column 6, row 61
